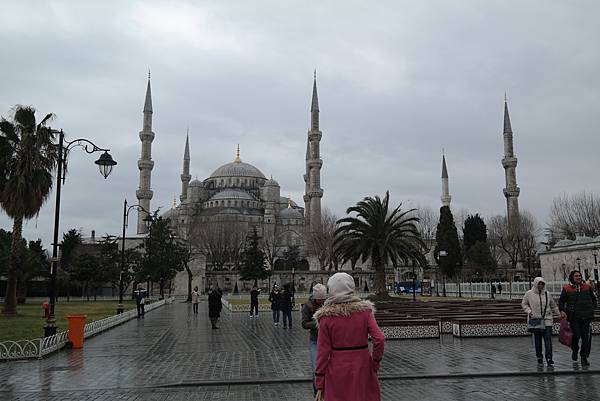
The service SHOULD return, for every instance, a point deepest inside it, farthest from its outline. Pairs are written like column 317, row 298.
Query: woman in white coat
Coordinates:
column 539, row 306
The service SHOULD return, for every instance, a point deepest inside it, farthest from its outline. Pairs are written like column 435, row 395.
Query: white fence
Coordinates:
column 24, row 349
column 512, row 290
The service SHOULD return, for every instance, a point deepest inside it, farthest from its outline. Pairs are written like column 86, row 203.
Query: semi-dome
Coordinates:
column 271, row 183
column 290, row 213
column 232, row 194
column 196, row 183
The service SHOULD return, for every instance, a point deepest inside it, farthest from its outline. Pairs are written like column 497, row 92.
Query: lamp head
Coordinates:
column 105, row 164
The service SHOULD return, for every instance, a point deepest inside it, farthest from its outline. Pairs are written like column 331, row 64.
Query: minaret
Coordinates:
column 307, row 187
column 509, row 162
column 145, row 163
column 314, row 164
column 185, row 175
column 446, row 198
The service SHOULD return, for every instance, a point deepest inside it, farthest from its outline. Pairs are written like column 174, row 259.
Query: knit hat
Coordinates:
column 341, row 284
column 319, row 291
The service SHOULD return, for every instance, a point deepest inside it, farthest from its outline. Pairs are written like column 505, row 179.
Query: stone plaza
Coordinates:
column 174, row 355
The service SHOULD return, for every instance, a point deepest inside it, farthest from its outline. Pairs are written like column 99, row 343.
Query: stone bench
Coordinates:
column 399, row 329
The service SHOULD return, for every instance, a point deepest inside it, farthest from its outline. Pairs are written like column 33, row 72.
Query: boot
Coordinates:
column 574, row 356
column 584, row 361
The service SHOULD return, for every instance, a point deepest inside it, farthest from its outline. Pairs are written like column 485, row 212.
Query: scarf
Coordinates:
column 341, row 299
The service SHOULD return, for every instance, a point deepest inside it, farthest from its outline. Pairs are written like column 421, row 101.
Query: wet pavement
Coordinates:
column 174, row 355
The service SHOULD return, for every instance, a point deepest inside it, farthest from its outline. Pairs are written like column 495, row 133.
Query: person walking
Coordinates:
column 195, row 300
column 577, row 303
column 214, row 305
column 254, row 293
column 287, row 304
column 346, row 370
column 499, row 288
column 275, row 300
column 140, row 301
column 539, row 306
column 493, row 290
column 319, row 294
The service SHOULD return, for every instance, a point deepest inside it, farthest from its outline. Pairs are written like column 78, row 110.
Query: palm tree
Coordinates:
column 28, row 156
column 379, row 235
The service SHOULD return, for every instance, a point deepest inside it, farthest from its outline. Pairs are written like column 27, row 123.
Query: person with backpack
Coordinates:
column 577, row 303
column 214, row 305
column 275, row 300
column 539, row 306
column 287, row 305
column 254, row 293
column 195, row 300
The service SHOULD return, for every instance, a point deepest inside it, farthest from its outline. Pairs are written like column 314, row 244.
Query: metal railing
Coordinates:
column 39, row 347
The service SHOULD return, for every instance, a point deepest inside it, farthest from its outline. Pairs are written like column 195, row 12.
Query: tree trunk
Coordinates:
column 14, row 260
column 21, row 292
column 190, row 278
column 380, row 287
column 161, row 291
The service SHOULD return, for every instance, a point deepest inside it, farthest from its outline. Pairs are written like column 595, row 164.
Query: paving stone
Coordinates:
column 171, row 346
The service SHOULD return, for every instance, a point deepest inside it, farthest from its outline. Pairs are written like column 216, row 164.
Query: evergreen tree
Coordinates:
column 474, row 230
column 447, row 240
column 481, row 260
column 253, row 260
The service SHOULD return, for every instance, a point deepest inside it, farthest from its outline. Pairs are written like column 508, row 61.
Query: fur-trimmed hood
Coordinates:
column 344, row 309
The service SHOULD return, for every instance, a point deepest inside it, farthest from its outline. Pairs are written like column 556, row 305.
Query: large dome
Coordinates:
column 237, row 169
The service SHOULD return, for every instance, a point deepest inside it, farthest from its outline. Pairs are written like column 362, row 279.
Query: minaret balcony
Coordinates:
column 144, row 164
column 315, row 194
column 314, row 135
column 511, row 192
column 509, row 162
column 144, row 193
column 315, row 163
column 186, row 177
column 147, row 136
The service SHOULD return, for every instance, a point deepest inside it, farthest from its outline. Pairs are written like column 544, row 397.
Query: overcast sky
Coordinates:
column 398, row 81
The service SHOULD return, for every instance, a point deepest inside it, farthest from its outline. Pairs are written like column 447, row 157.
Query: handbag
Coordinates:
column 538, row 324
column 565, row 335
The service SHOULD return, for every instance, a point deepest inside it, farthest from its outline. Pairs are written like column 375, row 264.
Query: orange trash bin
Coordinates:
column 76, row 326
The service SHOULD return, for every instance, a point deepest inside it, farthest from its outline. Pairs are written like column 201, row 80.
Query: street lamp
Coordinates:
column 105, row 164
column 126, row 211
column 414, row 280
column 442, row 254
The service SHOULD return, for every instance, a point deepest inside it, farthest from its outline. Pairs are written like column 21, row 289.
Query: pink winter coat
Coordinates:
column 346, row 370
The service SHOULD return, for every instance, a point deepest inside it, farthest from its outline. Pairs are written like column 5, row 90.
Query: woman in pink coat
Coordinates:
column 346, row 370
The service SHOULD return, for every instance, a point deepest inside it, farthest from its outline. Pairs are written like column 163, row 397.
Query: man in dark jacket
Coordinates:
column 275, row 300
column 319, row 294
column 287, row 304
column 577, row 303
column 254, row 293
column 214, row 305
column 140, row 301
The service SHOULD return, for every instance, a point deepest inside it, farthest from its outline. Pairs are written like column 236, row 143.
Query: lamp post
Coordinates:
column 440, row 255
column 578, row 263
column 529, row 269
column 126, row 211
column 105, row 164
column 293, row 279
column 414, row 280
column 437, row 289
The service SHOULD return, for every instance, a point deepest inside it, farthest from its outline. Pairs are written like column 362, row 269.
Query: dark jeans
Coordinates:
column 581, row 330
column 254, row 308
column 276, row 316
column 287, row 318
column 195, row 308
column 537, row 339
column 140, row 310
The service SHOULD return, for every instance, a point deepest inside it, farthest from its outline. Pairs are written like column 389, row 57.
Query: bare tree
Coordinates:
column 270, row 247
column 575, row 214
column 320, row 242
column 427, row 225
column 513, row 244
column 221, row 242
column 459, row 220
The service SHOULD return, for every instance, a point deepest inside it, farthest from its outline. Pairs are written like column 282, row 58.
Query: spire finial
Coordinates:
column 504, row 96
column 237, row 155
column 507, row 126
column 444, row 169
column 148, row 100
column 289, row 202
column 314, row 106
column 315, row 74
column 174, row 203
